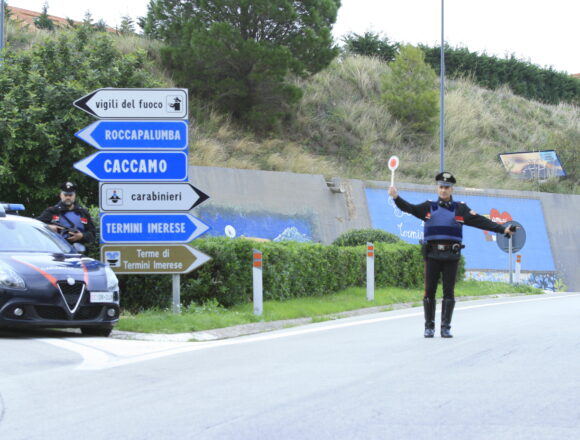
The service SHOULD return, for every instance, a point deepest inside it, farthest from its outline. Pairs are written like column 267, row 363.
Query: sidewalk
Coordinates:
column 259, row 327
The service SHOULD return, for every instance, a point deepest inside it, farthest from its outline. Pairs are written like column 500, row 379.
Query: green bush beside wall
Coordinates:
column 290, row 270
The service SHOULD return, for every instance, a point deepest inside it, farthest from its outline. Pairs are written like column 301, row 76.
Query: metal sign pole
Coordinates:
column 176, row 288
column 442, row 93
column 511, row 262
column 1, row 28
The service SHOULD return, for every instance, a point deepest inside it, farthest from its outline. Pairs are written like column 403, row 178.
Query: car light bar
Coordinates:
column 10, row 207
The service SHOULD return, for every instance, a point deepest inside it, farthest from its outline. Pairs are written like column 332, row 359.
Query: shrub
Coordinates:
column 410, row 91
column 37, row 119
column 290, row 270
column 358, row 237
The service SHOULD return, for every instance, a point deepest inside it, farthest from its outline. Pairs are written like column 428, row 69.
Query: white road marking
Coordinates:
column 102, row 353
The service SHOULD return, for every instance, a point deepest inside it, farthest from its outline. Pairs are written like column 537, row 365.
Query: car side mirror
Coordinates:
column 80, row 248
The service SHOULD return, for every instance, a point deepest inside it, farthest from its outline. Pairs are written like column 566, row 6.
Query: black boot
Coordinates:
column 446, row 314
column 429, row 308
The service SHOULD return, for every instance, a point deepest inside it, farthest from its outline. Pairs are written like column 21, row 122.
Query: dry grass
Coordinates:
column 341, row 128
column 218, row 142
column 20, row 36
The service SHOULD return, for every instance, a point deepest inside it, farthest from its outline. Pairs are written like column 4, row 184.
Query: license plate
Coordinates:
column 101, row 297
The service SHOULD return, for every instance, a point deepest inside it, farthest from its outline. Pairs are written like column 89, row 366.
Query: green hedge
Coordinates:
column 357, row 237
column 524, row 78
column 290, row 270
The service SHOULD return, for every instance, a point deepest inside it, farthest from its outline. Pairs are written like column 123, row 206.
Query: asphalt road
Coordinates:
column 511, row 372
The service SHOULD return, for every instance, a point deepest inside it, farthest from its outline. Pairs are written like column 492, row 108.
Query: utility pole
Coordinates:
column 1, row 28
column 442, row 95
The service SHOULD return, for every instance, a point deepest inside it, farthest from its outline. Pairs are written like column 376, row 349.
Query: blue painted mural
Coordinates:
column 251, row 224
column 541, row 280
column 481, row 250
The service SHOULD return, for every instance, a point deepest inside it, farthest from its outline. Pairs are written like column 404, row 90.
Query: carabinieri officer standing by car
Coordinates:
column 68, row 218
column 442, row 244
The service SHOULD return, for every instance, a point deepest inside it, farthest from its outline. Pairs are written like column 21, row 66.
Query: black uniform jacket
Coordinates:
column 470, row 217
column 55, row 213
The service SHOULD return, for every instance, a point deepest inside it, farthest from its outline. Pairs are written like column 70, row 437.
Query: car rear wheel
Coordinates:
column 96, row 331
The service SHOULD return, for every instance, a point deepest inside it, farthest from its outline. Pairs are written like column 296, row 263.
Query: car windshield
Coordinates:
column 23, row 236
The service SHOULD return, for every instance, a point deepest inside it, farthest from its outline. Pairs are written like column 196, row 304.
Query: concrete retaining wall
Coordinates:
column 336, row 206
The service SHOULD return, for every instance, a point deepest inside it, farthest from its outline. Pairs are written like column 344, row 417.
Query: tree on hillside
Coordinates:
column 38, row 120
column 127, row 26
column 88, row 19
column 101, row 25
column 7, row 11
column 43, row 21
column 238, row 53
column 371, row 44
column 410, row 92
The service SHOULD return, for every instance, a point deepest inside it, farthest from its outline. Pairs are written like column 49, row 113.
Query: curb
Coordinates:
column 260, row 327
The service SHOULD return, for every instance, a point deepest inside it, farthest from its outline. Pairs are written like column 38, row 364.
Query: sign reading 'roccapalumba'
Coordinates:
column 142, row 135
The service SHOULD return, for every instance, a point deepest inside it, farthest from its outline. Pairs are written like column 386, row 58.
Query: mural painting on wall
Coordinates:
column 481, row 252
column 541, row 280
column 256, row 225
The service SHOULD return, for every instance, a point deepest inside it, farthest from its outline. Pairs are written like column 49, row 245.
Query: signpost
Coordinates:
column 135, row 103
column 151, row 228
column 148, row 259
column 149, row 197
column 142, row 135
column 512, row 244
column 135, row 166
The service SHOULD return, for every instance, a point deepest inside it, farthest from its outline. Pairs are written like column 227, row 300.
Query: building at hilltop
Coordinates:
column 27, row 17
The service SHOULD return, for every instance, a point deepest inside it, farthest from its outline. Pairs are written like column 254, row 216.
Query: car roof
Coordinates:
column 21, row 218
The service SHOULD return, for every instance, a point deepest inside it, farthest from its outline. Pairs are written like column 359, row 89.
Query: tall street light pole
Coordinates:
column 442, row 96
column 1, row 28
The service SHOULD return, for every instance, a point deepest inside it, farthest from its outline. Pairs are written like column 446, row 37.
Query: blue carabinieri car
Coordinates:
column 46, row 282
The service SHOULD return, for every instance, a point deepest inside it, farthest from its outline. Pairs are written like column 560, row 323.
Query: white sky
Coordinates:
column 544, row 32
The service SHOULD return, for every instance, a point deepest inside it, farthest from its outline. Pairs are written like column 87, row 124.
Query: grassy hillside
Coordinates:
column 341, row 129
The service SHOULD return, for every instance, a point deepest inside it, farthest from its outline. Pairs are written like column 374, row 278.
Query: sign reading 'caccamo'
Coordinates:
column 111, row 166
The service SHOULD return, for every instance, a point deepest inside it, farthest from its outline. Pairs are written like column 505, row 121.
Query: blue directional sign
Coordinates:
column 151, row 228
column 142, row 166
column 143, row 135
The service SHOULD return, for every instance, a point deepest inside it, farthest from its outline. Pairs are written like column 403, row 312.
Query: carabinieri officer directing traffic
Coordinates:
column 442, row 244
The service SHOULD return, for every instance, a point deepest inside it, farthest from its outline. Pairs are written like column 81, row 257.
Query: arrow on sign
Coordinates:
column 110, row 166
column 152, row 135
column 135, row 103
column 149, row 197
column 131, row 258
column 151, row 228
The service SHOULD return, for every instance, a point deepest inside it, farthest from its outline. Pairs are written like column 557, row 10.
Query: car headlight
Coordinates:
column 9, row 278
column 112, row 280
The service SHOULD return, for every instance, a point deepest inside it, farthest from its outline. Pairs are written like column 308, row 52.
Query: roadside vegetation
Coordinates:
column 344, row 124
column 212, row 315
column 265, row 94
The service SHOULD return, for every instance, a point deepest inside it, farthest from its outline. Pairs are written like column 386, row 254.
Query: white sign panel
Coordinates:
column 149, row 197
column 135, row 103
